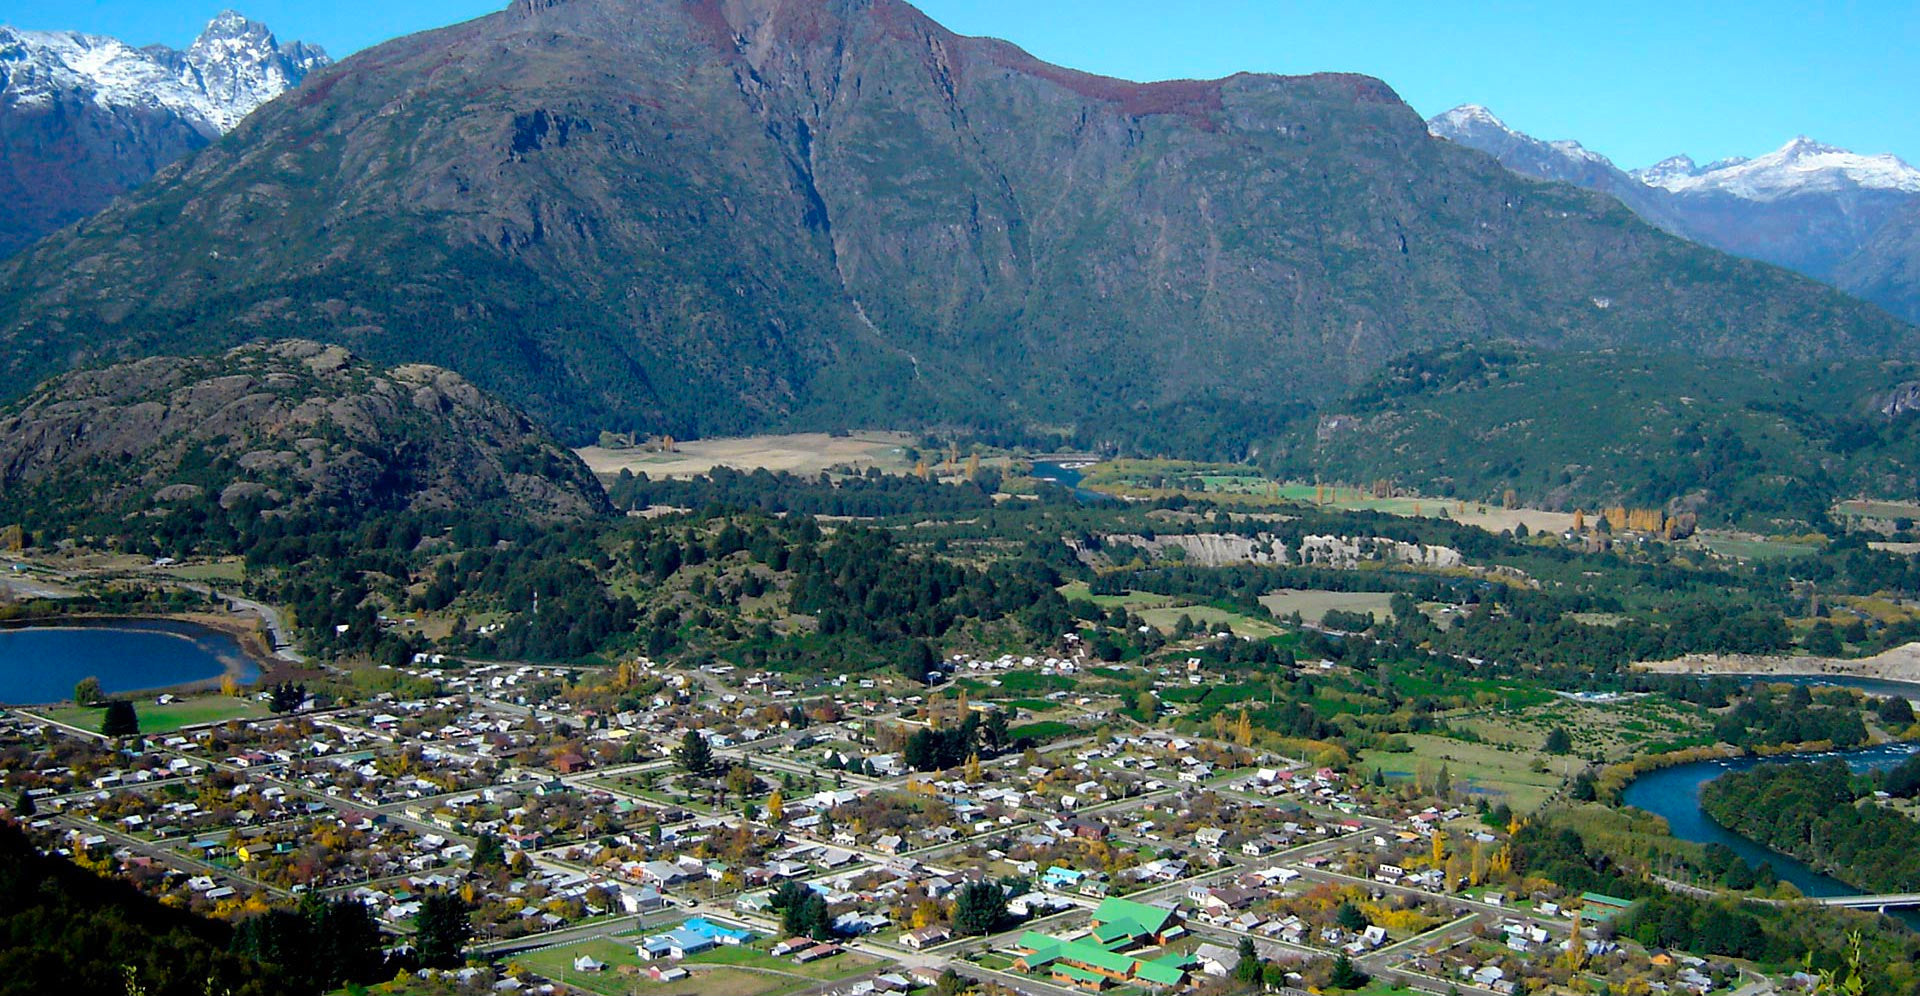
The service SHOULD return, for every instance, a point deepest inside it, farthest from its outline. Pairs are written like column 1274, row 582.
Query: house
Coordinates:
column 1216, row 960
column 816, row 953
column 587, row 963
column 926, row 937
column 1060, row 879
column 696, row 936
column 660, row 973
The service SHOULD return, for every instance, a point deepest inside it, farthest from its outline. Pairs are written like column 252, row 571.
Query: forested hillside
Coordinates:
column 1731, row 441
column 704, row 218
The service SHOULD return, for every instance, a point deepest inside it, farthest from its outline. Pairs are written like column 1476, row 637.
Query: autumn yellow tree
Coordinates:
column 1456, row 873
column 1439, row 847
column 972, row 771
column 229, row 687
column 776, row 807
column 1576, row 947
column 1243, row 730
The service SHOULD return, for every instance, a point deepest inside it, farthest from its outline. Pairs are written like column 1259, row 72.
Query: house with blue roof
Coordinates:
column 696, row 936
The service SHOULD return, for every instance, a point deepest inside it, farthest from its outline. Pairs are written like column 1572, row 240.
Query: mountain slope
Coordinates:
column 1564, row 161
column 709, row 216
column 1766, row 446
column 1805, row 206
column 291, row 426
column 1887, row 267
column 84, row 118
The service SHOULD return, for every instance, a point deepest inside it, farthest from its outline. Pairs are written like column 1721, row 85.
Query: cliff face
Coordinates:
column 287, row 425
column 711, row 216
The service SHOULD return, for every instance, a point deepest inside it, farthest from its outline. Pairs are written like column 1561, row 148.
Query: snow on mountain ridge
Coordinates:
column 1802, row 166
column 232, row 68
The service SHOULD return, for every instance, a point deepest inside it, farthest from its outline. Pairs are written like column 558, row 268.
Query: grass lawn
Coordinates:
column 1500, row 774
column 1043, row 731
column 557, row 964
column 838, row 967
column 166, row 718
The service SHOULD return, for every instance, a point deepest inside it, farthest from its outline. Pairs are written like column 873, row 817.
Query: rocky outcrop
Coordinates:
column 285, row 425
column 1223, row 550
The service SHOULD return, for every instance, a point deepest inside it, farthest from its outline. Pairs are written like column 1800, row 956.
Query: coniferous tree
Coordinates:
column 121, row 719
column 978, row 908
column 441, row 930
column 694, row 755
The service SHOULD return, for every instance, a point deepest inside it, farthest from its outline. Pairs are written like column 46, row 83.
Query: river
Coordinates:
column 41, row 664
column 1674, row 794
column 1069, row 478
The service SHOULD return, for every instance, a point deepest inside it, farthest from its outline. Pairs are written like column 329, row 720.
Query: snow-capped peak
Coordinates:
column 232, row 68
column 1464, row 118
column 1799, row 167
column 1668, row 170
column 1478, row 127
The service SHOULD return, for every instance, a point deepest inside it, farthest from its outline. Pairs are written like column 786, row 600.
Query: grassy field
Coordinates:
column 231, row 571
column 1132, row 601
column 802, row 453
column 1614, row 730
column 1750, row 548
column 1207, row 615
column 1879, row 509
column 755, row 956
column 1486, row 768
column 166, row 718
column 557, row 964
column 1313, row 606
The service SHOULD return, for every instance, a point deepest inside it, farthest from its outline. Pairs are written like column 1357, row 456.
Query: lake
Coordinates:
column 41, row 664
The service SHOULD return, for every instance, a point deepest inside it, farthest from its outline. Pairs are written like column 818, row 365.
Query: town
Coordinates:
column 759, row 834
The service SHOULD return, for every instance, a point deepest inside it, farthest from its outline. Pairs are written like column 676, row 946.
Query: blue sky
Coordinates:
column 1637, row 81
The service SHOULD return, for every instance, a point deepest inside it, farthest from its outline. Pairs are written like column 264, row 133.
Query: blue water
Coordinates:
column 1674, row 793
column 40, row 665
column 1070, row 479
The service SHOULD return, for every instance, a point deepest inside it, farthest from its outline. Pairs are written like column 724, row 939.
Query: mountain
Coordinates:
column 84, row 118
column 288, row 426
column 1765, row 446
column 718, row 216
column 1887, row 267
column 1805, row 206
column 1476, row 127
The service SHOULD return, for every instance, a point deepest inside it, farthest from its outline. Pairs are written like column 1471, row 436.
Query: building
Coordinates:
column 1086, row 964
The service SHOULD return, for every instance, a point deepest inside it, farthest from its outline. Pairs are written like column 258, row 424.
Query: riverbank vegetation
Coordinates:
column 1824, row 814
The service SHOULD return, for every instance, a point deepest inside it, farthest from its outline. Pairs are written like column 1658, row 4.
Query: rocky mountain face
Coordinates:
column 1810, row 207
column 712, row 216
column 84, row 118
column 289, row 425
column 1565, row 161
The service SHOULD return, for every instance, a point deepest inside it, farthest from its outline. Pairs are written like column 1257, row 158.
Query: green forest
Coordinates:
column 1823, row 814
